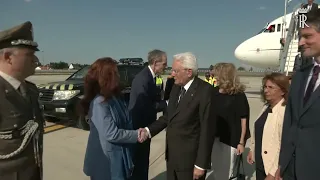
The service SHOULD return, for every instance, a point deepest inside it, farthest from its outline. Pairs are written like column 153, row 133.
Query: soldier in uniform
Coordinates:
column 21, row 118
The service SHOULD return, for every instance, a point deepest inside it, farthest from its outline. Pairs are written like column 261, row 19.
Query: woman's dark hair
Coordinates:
column 280, row 80
column 103, row 79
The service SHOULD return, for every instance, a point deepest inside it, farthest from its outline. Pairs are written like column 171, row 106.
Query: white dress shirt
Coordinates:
column 309, row 7
column 153, row 74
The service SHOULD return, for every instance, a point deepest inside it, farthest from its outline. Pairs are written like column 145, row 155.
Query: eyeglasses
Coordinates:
column 176, row 71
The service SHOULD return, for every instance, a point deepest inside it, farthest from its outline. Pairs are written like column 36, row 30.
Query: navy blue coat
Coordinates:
column 144, row 103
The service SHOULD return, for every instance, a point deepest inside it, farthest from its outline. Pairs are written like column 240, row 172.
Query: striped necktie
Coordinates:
column 182, row 92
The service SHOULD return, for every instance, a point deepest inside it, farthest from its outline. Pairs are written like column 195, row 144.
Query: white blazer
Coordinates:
column 271, row 138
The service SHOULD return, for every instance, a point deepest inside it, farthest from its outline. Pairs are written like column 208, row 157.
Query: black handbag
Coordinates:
column 238, row 175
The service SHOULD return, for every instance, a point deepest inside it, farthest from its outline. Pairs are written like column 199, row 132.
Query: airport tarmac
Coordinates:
column 64, row 147
column 251, row 82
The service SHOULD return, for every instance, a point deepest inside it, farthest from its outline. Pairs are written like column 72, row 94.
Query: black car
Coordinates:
column 61, row 99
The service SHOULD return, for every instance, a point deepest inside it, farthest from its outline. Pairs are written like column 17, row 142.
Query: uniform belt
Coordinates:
column 28, row 131
column 14, row 133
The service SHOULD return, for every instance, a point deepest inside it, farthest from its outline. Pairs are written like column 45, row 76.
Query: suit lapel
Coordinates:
column 176, row 97
column 172, row 106
column 187, row 98
column 304, row 80
column 314, row 96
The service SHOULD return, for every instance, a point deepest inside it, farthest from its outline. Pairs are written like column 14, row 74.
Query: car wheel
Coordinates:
column 83, row 123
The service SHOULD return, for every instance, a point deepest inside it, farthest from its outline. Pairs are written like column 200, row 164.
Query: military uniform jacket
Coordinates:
column 15, row 112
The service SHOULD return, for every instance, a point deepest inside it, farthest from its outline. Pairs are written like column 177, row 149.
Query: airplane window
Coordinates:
column 264, row 29
column 270, row 29
column 279, row 28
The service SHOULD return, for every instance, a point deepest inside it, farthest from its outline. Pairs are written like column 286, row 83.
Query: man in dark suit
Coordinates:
column 21, row 119
column 144, row 105
column 311, row 6
column 301, row 61
column 299, row 155
column 190, row 122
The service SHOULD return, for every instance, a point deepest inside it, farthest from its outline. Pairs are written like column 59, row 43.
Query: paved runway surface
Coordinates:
column 64, row 147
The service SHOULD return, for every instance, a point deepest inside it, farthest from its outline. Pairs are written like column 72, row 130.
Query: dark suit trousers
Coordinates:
column 172, row 174
column 289, row 172
column 260, row 174
column 29, row 173
column 141, row 161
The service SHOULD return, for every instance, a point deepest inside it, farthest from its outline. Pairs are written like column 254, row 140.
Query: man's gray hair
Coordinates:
column 188, row 61
column 7, row 50
column 155, row 55
column 2, row 51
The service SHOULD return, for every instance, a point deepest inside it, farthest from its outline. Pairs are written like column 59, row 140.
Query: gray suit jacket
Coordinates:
column 301, row 62
column 301, row 130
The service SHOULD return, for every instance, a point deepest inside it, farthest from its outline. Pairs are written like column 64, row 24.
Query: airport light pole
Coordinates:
column 284, row 18
column 43, row 57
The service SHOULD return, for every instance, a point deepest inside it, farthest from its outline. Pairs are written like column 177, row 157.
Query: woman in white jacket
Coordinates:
column 266, row 140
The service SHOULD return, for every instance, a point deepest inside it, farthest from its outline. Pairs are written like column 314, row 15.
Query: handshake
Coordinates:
column 142, row 135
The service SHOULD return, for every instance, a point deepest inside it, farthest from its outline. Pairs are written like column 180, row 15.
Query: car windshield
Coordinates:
column 126, row 72
column 80, row 74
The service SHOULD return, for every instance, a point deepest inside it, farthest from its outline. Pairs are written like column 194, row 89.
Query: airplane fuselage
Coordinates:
column 263, row 50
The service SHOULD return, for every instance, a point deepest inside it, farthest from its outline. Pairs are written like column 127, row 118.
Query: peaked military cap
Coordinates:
column 18, row 36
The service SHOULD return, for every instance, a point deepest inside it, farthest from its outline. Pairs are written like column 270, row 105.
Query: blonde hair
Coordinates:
column 228, row 80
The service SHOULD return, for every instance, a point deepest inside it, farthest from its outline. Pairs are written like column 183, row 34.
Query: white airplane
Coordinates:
column 263, row 50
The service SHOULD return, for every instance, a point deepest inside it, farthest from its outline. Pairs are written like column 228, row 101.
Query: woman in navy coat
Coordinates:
column 108, row 154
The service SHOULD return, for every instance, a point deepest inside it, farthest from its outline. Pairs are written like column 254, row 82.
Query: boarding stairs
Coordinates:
column 290, row 49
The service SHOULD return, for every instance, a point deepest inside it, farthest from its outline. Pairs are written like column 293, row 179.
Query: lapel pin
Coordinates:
column 6, row 91
column 191, row 94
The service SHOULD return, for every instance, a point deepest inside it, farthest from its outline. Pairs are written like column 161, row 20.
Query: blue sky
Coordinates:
column 80, row 31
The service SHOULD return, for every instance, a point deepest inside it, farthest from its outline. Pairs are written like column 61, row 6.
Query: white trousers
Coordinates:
column 223, row 158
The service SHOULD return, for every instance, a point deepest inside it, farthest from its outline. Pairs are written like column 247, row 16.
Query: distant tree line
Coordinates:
column 64, row 65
